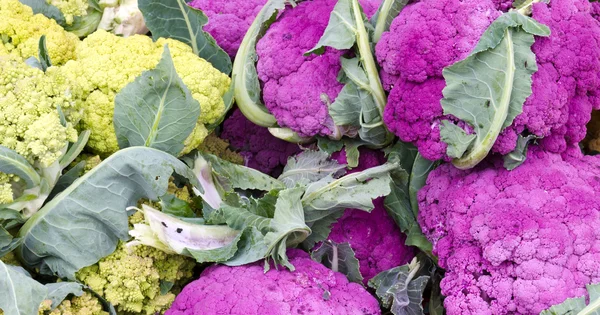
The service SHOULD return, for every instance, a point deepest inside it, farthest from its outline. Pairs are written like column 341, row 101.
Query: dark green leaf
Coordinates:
column 45, row 8
column 339, row 258
column 515, row 158
column 165, row 287
column 67, row 179
column 174, row 206
column 43, row 55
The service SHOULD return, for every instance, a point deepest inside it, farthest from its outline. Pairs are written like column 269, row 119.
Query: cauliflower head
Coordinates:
column 311, row 289
column 514, row 242
column 377, row 241
column 29, row 121
column 86, row 304
column 260, row 149
column 106, row 63
column 219, row 147
column 20, row 32
column 430, row 35
column 228, row 20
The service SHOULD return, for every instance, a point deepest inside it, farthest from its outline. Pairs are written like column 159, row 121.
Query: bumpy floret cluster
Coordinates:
column 71, row 8
column 375, row 238
column 104, row 66
column 514, row 242
column 20, row 32
column 6, row 190
column 228, row 20
column 430, row 35
column 86, row 304
column 130, row 278
column 29, row 121
column 260, row 149
column 248, row 290
column 219, row 147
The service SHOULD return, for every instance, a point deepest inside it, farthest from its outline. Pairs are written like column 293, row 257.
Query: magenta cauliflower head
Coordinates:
column 514, row 242
column 311, row 289
column 430, row 35
column 260, row 149
column 228, row 20
column 297, row 88
column 375, row 238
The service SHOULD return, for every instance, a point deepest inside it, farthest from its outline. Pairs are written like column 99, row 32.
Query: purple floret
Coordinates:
column 228, row 20
column 260, row 149
column 246, row 290
column 425, row 38
column 375, row 238
column 297, row 88
column 515, row 242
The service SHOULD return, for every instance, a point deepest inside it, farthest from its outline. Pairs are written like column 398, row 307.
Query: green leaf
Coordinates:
column 418, row 177
column 12, row 163
column 356, row 190
column 329, row 146
column 7, row 242
column 577, row 305
column 247, row 89
column 156, row 110
column 352, row 154
column 339, row 258
column 399, row 289
column 19, row 294
column 386, row 13
column 74, row 149
column 84, row 222
column 43, row 54
column 321, row 229
column 57, row 292
column 241, row 177
column 436, row 299
column 341, row 29
column 175, row 19
column 10, row 218
column 309, row 166
column 488, row 88
column 67, row 179
column 515, row 158
column 45, row 8
column 250, row 248
column 83, row 26
column 165, row 287
column 174, row 206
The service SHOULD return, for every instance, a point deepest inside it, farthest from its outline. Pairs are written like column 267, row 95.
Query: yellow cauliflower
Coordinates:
column 29, row 121
column 6, row 191
column 106, row 63
column 20, row 32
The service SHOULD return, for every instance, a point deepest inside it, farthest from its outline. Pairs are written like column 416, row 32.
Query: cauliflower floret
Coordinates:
column 6, row 189
column 86, row 304
column 219, row 147
column 311, row 289
column 130, row 278
column 514, row 242
column 377, row 241
column 106, row 63
column 71, row 8
column 260, row 149
column 29, row 120
column 20, row 32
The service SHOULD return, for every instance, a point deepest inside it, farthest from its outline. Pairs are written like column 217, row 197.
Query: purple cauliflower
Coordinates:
column 259, row 148
column 297, row 88
column 228, row 20
column 515, row 242
column 503, row 5
column 375, row 238
column 311, row 289
column 431, row 34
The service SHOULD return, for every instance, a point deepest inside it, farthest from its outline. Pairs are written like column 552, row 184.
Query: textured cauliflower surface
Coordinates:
column 260, row 149
column 374, row 236
column 29, row 120
column 106, row 63
column 311, row 289
column 228, row 20
column 85, row 304
column 71, row 8
column 430, row 35
column 515, row 242
column 20, row 32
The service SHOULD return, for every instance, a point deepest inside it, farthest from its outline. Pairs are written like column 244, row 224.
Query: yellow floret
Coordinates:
column 6, row 190
column 106, row 63
column 219, row 147
column 86, row 304
column 29, row 121
column 71, row 8
column 20, row 32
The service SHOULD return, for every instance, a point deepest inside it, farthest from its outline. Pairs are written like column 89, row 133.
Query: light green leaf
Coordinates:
column 84, row 222
column 175, row 19
column 250, row 248
column 156, row 110
column 12, row 163
column 237, row 176
column 174, row 206
column 386, row 13
column 418, row 177
column 488, row 88
column 247, row 90
column 321, row 229
column 356, row 190
column 309, row 166
column 339, row 258
column 165, row 287
column 19, row 294
column 515, row 158
column 10, row 218
column 7, row 242
column 43, row 55
column 67, row 179
column 341, row 29
column 399, row 289
column 577, row 305
column 57, row 292
column 74, row 149
column 45, row 8
column 329, row 146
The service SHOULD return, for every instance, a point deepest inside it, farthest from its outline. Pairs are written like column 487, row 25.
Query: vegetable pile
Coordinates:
column 299, row 157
